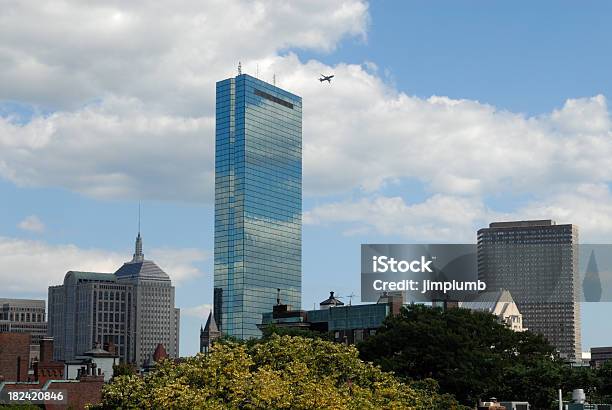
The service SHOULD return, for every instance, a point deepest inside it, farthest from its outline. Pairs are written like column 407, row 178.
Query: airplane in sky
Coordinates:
column 326, row 78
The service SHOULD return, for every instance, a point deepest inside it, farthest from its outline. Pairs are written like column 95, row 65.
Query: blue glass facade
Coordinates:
column 258, row 202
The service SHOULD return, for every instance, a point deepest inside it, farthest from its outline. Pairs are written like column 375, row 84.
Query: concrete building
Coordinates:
column 133, row 309
column 500, row 304
column 258, row 202
column 24, row 316
column 537, row 261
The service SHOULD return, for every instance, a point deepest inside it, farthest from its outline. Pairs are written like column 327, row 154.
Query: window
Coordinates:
column 273, row 98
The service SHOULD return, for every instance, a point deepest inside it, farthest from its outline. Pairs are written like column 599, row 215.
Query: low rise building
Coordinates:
column 98, row 357
column 600, row 355
column 48, row 375
column 14, row 356
column 346, row 323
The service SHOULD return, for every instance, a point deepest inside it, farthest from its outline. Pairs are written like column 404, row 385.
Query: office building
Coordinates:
column 132, row 309
column 258, row 202
column 537, row 261
column 24, row 316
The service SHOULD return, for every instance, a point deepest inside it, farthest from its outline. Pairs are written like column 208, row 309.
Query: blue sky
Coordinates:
column 95, row 120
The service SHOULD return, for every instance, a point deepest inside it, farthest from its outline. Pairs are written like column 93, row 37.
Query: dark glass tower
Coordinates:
column 258, row 202
column 537, row 261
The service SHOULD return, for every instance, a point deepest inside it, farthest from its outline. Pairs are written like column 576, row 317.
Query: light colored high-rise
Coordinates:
column 537, row 261
column 132, row 308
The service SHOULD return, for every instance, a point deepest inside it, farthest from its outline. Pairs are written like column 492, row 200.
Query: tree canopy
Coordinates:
column 281, row 372
column 471, row 355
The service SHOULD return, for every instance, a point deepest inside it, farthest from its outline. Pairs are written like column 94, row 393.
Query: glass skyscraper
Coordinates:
column 258, row 203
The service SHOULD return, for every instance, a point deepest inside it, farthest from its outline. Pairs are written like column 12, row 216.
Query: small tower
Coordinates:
column 209, row 334
column 330, row 302
column 138, row 255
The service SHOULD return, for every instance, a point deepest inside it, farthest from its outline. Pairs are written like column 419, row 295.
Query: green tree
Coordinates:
column 123, row 369
column 283, row 372
column 469, row 353
column 270, row 330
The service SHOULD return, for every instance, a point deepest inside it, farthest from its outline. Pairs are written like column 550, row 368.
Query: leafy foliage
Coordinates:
column 270, row 330
column 469, row 353
column 123, row 369
column 282, row 372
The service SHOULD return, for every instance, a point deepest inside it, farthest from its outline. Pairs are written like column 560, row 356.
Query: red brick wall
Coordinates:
column 14, row 356
column 46, row 350
column 87, row 391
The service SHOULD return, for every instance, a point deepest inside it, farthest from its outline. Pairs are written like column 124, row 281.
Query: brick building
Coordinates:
column 14, row 356
column 48, row 374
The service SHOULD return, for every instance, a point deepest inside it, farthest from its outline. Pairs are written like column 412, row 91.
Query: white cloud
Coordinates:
column 132, row 90
column 200, row 312
column 115, row 149
column 589, row 206
column 439, row 218
column 32, row 224
column 28, row 266
column 179, row 263
column 167, row 53
column 131, row 86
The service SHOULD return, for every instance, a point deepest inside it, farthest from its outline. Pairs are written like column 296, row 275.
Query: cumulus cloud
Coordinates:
column 32, row 224
column 28, row 266
column 113, row 149
column 439, row 218
column 168, row 53
column 130, row 88
column 589, row 206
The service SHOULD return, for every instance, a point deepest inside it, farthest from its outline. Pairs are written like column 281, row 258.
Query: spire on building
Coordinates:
column 209, row 334
column 211, row 325
column 138, row 255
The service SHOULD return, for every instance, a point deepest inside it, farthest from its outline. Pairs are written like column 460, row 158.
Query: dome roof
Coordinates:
column 143, row 270
column 140, row 268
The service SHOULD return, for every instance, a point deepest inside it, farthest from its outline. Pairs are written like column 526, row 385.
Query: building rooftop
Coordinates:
column 487, row 301
column 97, row 276
column 523, row 224
column 141, row 268
column 331, row 301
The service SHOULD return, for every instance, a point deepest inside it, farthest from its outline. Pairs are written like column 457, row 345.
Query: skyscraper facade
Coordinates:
column 258, row 202
column 537, row 261
column 132, row 308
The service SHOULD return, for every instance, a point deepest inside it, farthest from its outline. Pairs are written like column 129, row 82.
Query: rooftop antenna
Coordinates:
column 274, row 79
column 351, row 296
column 139, row 217
column 257, row 72
column 239, row 68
